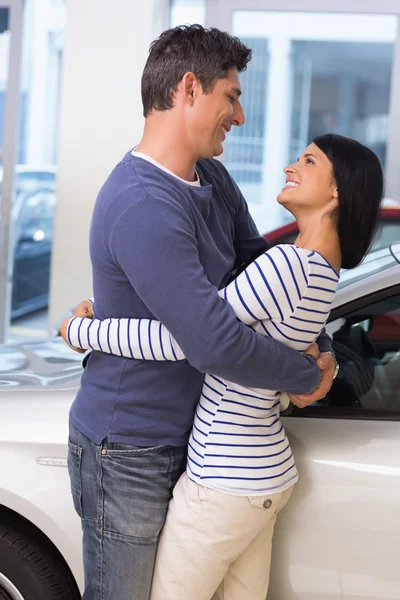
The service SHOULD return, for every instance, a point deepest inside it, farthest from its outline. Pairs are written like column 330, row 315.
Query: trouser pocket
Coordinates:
column 74, row 470
column 136, row 488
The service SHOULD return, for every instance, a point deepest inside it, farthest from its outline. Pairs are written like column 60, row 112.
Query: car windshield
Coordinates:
column 388, row 234
column 373, row 263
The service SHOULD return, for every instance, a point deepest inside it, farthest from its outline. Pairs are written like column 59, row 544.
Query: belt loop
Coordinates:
column 203, row 493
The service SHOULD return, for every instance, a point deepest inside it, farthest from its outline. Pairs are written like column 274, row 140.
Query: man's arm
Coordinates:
column 155, row 245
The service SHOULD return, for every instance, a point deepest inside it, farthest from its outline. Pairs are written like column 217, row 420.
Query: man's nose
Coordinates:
column 238, row 116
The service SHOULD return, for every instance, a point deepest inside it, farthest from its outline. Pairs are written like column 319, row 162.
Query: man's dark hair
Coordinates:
column 208, row 53
column 359, row 180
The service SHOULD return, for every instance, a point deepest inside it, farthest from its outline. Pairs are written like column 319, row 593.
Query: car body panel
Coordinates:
column 40, row 381
column 41, row 491
column 344, row 512
column 46, row 365
column 377, row 271
column 338, row 537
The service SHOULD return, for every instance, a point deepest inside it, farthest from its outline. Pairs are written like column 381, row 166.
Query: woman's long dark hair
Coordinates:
column 359, row 180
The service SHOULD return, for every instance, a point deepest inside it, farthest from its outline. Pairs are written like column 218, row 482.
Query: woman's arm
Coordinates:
column 133, row 338
column 270, row 287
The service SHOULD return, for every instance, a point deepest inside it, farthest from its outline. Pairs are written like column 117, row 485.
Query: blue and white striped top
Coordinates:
column 238, row 444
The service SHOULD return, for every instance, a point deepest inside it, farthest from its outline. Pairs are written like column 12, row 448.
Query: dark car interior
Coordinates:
column 367, row 347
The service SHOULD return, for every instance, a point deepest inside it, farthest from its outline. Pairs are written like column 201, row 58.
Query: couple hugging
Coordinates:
column 178, row 460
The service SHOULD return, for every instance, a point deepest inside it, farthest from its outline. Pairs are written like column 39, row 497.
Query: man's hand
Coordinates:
column 327, row 364
column 83, row 310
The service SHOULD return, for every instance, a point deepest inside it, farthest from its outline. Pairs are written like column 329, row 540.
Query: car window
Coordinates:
column 35, row 221
column 29, row 182
column 367, row 347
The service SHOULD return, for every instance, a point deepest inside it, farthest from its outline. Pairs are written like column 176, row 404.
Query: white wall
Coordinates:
column 106, row 46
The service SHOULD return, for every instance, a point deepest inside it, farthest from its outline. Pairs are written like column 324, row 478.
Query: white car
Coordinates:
column 337, row 539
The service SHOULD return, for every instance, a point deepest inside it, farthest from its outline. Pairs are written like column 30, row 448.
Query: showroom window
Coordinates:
column 36, row 171
column 187, row 11
column 34, row 48
column 311, row 73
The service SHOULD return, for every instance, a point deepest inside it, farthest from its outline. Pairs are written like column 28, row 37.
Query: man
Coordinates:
column 168, row 228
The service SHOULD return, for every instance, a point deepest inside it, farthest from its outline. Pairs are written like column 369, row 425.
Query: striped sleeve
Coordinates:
column 271, row 287
column 142, row 339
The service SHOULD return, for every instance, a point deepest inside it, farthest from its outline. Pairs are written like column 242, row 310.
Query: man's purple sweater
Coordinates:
column 161, row 249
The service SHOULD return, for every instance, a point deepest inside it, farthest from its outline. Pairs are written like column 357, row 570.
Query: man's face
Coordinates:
column 212, row 115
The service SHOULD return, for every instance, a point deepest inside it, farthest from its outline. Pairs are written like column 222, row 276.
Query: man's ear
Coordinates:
column 190, row 87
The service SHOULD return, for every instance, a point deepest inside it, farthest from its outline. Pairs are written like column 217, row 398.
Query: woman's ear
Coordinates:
column 333, row 205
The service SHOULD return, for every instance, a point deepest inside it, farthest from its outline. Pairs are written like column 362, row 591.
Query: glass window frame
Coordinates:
column 16, row 9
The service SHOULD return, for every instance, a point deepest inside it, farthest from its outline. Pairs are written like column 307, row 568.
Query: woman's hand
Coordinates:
column 83, row 310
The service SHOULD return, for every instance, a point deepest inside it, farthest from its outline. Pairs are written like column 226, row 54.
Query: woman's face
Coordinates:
column 310, row 185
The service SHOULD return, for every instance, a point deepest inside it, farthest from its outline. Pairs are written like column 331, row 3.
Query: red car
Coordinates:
column 388, row 232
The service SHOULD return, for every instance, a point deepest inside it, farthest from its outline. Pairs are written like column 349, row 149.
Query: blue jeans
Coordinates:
column 121, row 493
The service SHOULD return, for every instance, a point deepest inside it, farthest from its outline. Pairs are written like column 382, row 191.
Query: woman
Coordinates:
column 216, row 542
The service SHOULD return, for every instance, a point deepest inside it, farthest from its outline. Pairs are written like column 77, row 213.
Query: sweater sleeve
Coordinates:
column 324, row 342
column 165, row 270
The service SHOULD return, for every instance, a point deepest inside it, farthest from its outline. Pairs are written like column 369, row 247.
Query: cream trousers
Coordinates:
column 215, row 546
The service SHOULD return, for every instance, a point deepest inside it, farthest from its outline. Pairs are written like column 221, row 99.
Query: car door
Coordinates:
column 339, row 536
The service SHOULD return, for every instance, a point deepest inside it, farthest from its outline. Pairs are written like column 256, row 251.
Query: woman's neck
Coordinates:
column 320, row 234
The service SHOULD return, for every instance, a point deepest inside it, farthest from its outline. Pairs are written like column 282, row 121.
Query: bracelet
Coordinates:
column 331, row 352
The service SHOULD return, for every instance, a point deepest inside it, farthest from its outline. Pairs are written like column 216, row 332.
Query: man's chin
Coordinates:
column 216, row 150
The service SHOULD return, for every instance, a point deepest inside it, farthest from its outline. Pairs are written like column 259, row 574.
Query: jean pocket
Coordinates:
column 136, row 490
column 74, row 470
column 121, row 449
